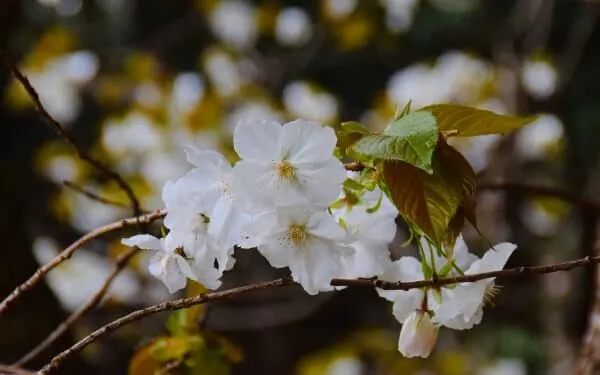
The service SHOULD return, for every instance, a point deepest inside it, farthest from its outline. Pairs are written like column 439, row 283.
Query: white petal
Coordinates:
column 461, row 254
column 172, row 276
column 205, row 159
column 405, row 302
column 258, row 141
column 494, row 259
column 418, row 336
column 143, row 241
column 258, row 179
column 308, row 142
column 314, row 266
column 170, row 194
column 459, row 323
column 322, row 224
column 403, row 269
column 322, row 182
column 369, row 259
column 463, row 300
column 277, row 253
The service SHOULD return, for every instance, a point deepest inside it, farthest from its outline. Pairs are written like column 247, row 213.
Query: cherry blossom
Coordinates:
column 288, row 165
column 308, row 240
column 169, row 265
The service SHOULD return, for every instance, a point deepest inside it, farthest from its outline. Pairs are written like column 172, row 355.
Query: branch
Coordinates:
column 95, row 197
column 75, row 316
column 165, row 306
column 214, row 296
column 62, row 133
column 69, row 251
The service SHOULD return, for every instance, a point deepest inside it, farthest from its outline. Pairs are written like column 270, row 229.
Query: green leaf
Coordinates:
column 461, row 121
column 431, row 201
column 411, row 139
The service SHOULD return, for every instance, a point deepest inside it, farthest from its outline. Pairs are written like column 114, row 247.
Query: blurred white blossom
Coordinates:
column 293, row 27
column 223, row 72
column 234, row 22
column 539, row 78
column 536, row 139
column 76, row 281
column 303, row 101
column 340, row 8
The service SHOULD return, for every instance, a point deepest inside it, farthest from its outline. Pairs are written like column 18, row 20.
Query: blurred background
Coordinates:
column 134, row 81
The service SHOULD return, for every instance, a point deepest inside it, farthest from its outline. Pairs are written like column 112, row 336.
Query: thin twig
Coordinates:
column 120, row 264
column 214, row 296
column 12, row 370
column 94, row 196
column 69, row 251
column 62, row 133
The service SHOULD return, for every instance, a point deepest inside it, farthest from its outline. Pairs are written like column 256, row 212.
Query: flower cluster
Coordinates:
column 277, row 199
column 290, row 198
column 456, row 306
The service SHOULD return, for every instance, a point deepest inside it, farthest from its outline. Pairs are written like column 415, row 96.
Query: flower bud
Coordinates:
column 418, row 335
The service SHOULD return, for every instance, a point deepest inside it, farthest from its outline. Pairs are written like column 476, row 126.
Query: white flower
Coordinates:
column 212, row 181
column 167, row 264
column 418, row 335
column 288, row 165
column 462, row 305
column 201, row 214
column 370, row 235
column 188, row 220
column 305, row 239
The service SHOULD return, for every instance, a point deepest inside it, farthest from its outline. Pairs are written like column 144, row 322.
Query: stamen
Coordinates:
column 297, row 234
column 285, row 170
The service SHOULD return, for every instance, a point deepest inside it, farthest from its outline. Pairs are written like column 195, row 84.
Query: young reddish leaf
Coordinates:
column 460, row 121
column 432, row 201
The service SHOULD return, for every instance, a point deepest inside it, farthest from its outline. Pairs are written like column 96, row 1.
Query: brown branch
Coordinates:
column 214, row 296
column 69, row 251
column 165, row 306
column 62, row 133
column 12, row 370
column 95, row 197
column 120, row 264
